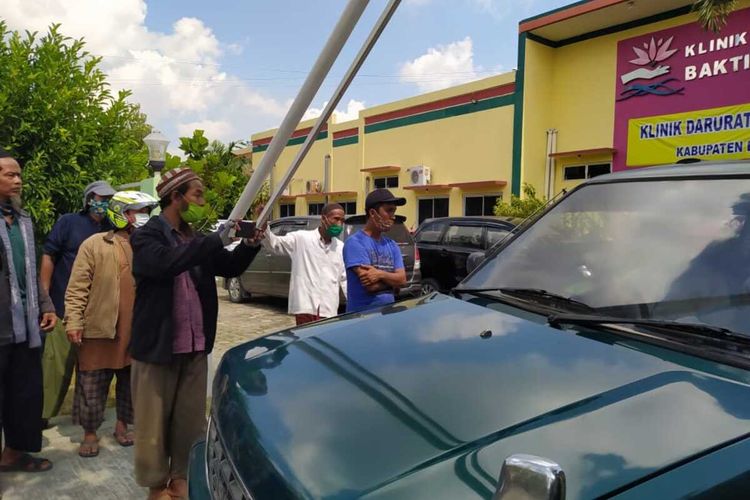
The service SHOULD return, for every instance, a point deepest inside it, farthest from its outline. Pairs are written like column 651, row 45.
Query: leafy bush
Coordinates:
column 59, row 118
column 521, row 207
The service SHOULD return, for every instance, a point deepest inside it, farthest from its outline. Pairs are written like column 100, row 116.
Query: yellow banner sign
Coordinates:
column 707, row 134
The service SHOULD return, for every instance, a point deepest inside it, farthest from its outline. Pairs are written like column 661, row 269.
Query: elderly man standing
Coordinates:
column 60, row 250
column 26, row 312
column 174, row 326
column 318, row 271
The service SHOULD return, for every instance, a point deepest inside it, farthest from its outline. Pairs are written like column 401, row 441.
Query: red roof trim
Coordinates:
column 562, row 15
column 341, row 134
column 448, row 102
column 297, row 133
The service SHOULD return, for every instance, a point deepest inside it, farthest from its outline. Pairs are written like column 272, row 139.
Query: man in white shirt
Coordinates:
column 318, row 271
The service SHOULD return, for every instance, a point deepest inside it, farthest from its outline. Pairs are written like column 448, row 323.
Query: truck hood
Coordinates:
column 428, row 397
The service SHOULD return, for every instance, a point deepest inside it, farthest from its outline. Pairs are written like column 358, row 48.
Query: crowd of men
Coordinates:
column 121, row 294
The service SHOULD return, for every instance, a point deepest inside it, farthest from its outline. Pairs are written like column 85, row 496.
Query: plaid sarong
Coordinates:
column 92, row 389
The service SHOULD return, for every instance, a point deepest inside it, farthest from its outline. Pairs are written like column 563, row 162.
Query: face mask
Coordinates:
column 384, row 225
column 334, row 230
column 194, row 213
column 140, row 220
column 98, row 208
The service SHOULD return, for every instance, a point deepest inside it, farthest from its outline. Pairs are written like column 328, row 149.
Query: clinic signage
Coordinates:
column 683, row 93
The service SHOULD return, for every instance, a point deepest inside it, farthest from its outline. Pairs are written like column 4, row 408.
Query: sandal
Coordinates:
column 88, row 449
column 124, row 438
column 27, row 463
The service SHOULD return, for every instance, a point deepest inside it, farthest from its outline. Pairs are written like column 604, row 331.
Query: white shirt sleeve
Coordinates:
column 280, row 245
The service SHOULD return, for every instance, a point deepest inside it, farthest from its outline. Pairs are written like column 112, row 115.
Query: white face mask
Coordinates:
column 141, row 220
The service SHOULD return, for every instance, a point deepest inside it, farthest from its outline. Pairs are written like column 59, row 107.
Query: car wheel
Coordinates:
column 429, row 286
column 236, row 293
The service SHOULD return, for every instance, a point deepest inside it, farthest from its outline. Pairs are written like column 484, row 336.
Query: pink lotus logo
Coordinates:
column 649, row 58
column 654, row 52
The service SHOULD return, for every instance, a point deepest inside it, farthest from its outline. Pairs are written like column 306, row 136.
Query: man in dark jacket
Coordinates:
column 174, row 326
column 26, row 312
column 59, row 252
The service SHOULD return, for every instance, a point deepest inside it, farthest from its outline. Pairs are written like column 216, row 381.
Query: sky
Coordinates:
column 232, row 68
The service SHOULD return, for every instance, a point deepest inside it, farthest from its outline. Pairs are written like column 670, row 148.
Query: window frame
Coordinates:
column 483, row 195
column 586, row 173
column 287, row 205
column 320, row 206
column 433, row 198
column 385, row 179
column 348, row 202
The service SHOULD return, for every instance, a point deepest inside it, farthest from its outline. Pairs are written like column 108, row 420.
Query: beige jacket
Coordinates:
column 92, row 299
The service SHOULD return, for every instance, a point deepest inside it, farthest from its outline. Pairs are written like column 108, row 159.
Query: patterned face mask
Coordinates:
column 382, row 223
column 98, row 207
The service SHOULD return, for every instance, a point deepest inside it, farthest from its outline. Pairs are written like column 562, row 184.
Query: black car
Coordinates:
column 445, row 243
column 269, row 274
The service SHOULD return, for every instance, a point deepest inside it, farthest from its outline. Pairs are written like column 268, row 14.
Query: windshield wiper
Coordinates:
column 536, row 295
column 697, row 329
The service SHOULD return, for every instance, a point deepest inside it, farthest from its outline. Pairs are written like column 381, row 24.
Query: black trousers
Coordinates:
column 21, row 397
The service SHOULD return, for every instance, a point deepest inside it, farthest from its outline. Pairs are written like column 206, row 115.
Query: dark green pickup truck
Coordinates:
column 603, row 351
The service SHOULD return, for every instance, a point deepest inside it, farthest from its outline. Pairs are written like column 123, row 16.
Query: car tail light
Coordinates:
column 417, row 261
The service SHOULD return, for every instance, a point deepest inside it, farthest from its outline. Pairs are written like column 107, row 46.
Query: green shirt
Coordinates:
column 19, row 256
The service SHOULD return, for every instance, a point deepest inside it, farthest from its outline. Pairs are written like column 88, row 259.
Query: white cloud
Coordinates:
column 213, row 128
column 353, row 108
column 442, row 66
column 176, row 77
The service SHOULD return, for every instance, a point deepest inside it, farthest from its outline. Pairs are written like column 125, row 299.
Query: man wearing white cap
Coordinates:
column 59, row 253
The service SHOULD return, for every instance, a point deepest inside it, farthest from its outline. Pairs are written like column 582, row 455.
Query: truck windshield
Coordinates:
column 668, row 249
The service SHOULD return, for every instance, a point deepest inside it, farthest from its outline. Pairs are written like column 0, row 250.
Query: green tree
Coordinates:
column 223, row 174
column 521, row 207
column 713, row 14
column 60, row 119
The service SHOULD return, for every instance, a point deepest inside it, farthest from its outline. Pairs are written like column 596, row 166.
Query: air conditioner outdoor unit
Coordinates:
column 313, row 186
column 419, row 175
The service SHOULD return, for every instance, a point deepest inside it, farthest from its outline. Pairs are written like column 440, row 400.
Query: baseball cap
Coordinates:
column 102, row 188
column 380, row 196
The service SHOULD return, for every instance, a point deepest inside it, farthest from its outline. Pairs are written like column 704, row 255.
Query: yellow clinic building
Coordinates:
column 601, row 86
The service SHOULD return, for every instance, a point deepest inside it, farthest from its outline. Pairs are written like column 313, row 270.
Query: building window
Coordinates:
column 481, row 205
column 386, row 182
column 315, row 208
column 287, row 209
column 429, row 208
column 580, row 172
column 350, row 207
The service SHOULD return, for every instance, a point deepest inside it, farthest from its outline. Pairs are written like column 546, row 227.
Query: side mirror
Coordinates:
column 473, row 261
column 526, row 477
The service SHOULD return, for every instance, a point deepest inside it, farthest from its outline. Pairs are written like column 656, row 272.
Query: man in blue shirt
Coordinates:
column 374, row 265
column 59, row 253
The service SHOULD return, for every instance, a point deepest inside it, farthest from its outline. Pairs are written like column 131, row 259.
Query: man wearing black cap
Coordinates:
column 374, row 266
column 59, row 253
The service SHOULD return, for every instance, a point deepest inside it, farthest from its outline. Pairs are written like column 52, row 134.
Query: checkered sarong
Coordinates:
column 92, row 389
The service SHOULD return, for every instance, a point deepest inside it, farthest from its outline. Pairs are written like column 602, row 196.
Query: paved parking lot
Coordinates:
column 110, row 475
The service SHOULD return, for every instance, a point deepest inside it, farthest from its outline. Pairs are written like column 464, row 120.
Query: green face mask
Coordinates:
column 334, row 230
column 194, row 213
